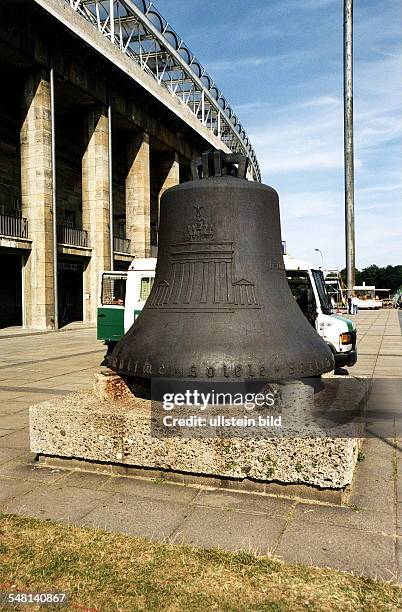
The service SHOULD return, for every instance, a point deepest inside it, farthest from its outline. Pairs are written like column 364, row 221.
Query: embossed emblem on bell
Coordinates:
column 220, row 307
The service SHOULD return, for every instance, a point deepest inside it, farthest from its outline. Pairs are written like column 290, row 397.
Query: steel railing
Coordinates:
column 142, row 33
column 121, row 245
column 13, row 226
column 72, row 236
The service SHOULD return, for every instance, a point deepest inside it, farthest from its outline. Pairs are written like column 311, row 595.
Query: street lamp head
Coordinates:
column 322, row 256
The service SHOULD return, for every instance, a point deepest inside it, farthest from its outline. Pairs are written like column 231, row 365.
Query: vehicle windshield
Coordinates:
column 300, row 286
column 322, row 291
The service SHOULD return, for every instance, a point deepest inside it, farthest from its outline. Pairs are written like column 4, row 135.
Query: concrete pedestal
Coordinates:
column 111, row 426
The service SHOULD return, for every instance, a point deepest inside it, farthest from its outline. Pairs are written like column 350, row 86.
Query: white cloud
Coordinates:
column 236, row 63
column 316, row 220
column 316, row 4
column 252, row 106
column 319, row 101
column 302, row 143
column 305, row 138
column 378, row 189
column 308, row 134
column 313, row 220
column 258, row 105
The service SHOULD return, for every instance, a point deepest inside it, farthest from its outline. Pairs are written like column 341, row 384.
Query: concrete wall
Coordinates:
column 82, row 188
column 148, row 156
column 36, row 199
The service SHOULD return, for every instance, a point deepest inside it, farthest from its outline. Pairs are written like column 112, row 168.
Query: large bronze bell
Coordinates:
column 220, row 307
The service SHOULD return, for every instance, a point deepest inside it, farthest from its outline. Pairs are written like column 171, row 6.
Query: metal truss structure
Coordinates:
column 140, row 31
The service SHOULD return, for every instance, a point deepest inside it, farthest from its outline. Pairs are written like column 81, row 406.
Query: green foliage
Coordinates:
column 389, row 277
column 361, row 456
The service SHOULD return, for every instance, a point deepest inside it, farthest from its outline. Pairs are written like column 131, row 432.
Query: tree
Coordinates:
column 389, row 277
column 357, row 276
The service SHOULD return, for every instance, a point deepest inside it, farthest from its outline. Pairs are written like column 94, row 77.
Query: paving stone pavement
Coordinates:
column 364, row 536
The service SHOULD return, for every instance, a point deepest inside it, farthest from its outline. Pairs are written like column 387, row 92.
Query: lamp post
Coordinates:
column 322, row 258
column 348, row 143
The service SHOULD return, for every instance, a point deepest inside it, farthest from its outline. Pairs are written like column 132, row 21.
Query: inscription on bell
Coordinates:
column 224, row 371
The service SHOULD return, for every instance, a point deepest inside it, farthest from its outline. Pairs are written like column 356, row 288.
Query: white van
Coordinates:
column 310, row 291
column 118, row 309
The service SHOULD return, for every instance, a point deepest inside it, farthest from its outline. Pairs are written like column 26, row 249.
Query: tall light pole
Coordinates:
column 322, row 257
column 348, row 143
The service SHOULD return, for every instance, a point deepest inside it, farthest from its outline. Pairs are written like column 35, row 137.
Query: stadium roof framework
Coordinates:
column 140, row 32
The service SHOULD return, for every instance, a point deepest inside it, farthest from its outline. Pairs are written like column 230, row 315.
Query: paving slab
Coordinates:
column 4, row 432
column 85, row 480
column 339, row 547
column 6, row 394
column 22, row 470
column 367, row 520
column 374, row 481
column 18, row 420
column 10, row 489
column 14, row 407
column 157, row 489
column 7, row 454
column 149, row 518
column 229, row 530
column 245, row 502
column 16, row 439
column 65, row 504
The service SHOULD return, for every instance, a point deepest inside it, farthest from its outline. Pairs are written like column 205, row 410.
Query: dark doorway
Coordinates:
column 10, row 290
column 70, row 291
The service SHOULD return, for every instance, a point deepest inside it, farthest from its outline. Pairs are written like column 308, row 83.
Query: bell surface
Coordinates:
column 220, row 307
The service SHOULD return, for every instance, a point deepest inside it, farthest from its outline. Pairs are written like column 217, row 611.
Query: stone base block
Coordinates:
column 244, row 485
column 110, row 425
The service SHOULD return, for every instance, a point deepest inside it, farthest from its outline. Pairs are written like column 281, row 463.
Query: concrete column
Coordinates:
column 168, row 175
column 138, row 195
column 95, row 205
column 36, row 199
column 169, row 172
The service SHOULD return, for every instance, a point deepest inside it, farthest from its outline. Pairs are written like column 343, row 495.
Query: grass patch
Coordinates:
column 107, row 572
column 361, row 456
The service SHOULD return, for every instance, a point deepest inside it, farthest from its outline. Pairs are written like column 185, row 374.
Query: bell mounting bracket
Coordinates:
column 219, row 163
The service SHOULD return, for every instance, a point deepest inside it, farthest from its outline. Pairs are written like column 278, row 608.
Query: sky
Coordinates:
column 280, row 65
